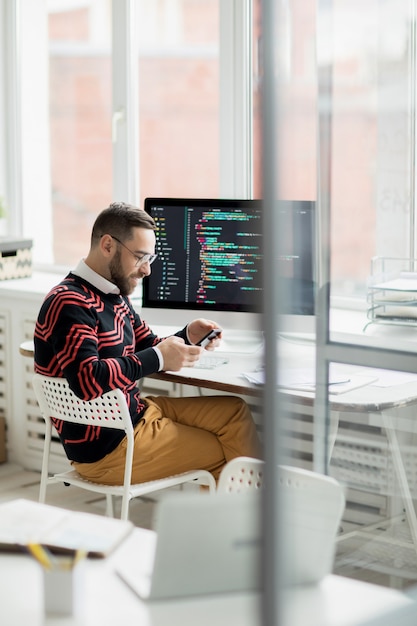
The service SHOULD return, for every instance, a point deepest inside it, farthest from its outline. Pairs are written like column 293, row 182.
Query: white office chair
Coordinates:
column 56, row 400
column 241, row 475
column 312, row 506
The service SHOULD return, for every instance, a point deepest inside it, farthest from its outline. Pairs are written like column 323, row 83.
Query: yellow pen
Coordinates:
column 40, row 554
column 79, row 555
column 70, row 563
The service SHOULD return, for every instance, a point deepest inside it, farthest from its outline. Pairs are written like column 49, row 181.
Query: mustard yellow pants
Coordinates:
column 181, row 434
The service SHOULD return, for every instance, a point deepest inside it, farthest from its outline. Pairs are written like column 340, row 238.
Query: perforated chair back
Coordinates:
column 241, row 475
column 311, row 505
column 311, row 508
column 57, row 401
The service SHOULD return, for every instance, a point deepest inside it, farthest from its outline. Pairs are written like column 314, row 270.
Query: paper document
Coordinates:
column 304, row 379
column 403, row 283
column 390, row 378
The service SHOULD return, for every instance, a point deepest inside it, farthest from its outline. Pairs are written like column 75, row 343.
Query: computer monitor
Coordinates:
column 296, row 265
column 209, row 264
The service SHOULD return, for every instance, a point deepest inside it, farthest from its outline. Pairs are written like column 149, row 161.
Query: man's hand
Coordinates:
column 197, row 329
column 177, row 354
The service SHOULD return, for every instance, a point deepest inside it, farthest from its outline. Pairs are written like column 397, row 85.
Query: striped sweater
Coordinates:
column 98, row 342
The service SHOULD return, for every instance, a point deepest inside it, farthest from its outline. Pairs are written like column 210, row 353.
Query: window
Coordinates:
column 130, row 101
column 372, row 208
column 80, row 113
column 178, row 79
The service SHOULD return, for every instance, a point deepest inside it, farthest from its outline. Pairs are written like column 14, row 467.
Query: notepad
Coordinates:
column 24, row 522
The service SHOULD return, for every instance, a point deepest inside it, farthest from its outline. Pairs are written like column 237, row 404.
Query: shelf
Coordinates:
column 392, row 292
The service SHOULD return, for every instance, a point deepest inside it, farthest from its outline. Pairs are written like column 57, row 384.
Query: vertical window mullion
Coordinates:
column 12, row 134
column 236, row 102
column 125, row 127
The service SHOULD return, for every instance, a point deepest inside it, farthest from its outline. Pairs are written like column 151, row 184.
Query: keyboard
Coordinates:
column 210, row 362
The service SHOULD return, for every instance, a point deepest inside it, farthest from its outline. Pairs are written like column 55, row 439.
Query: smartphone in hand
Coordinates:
column 212, row 334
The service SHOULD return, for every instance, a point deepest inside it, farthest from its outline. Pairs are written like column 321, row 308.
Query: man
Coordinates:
column 88, row 332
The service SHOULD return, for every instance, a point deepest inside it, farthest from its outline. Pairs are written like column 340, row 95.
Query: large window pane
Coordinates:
column 178, row 70
column 371, row 138
column 80, row 121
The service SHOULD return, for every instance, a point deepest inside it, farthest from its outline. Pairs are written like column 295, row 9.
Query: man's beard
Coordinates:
column 118, row 277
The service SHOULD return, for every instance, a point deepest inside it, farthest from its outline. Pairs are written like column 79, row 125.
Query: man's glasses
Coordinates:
column 140, row 260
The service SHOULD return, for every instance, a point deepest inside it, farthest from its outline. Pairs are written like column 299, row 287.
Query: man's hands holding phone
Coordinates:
column 177, row 354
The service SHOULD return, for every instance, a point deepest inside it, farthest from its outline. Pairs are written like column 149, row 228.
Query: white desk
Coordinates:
column 108, row 601
column 228, row 377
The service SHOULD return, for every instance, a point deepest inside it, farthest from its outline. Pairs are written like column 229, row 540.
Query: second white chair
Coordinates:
column 311, row 509
column 57, row 400
column 241, row 475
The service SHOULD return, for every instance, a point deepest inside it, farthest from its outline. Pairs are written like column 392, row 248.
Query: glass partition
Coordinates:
column 370, row 49
column 356, row 423
column 365, row 435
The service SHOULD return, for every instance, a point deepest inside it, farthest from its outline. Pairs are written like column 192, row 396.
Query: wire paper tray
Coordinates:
column 392, row 291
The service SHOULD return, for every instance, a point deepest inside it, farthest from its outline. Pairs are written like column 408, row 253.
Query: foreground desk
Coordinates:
column 107, row 601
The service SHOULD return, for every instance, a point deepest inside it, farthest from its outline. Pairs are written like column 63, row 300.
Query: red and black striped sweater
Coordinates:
column 98, row 342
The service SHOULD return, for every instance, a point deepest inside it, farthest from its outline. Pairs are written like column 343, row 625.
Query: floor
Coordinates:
column 16, row 482
column 385, row 556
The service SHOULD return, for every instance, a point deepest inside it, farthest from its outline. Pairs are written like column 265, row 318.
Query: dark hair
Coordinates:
column 118, row 220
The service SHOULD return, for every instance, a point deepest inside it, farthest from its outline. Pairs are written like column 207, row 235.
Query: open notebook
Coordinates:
column 24, row 522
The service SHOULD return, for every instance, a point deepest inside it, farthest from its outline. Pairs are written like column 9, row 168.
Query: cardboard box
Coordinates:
column 3, row 455
column 15, row 258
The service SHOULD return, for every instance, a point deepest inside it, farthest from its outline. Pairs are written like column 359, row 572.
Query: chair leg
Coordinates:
column 45, row 461
column 109, row 505
column 124, row 514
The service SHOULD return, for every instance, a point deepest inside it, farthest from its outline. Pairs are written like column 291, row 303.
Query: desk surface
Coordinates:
column 369, row 398
column 228, row 378
column 107, row 600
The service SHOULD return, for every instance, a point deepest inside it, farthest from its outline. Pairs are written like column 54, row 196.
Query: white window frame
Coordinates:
column 125, row 130
column 26, row 171
column 236, row 99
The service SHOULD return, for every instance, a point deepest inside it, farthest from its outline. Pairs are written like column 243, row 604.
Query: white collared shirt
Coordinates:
column 84, row 271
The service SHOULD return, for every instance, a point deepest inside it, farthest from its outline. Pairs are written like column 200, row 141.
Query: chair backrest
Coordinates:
column 312, row 506
column 57, row 400
column 241, row 475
